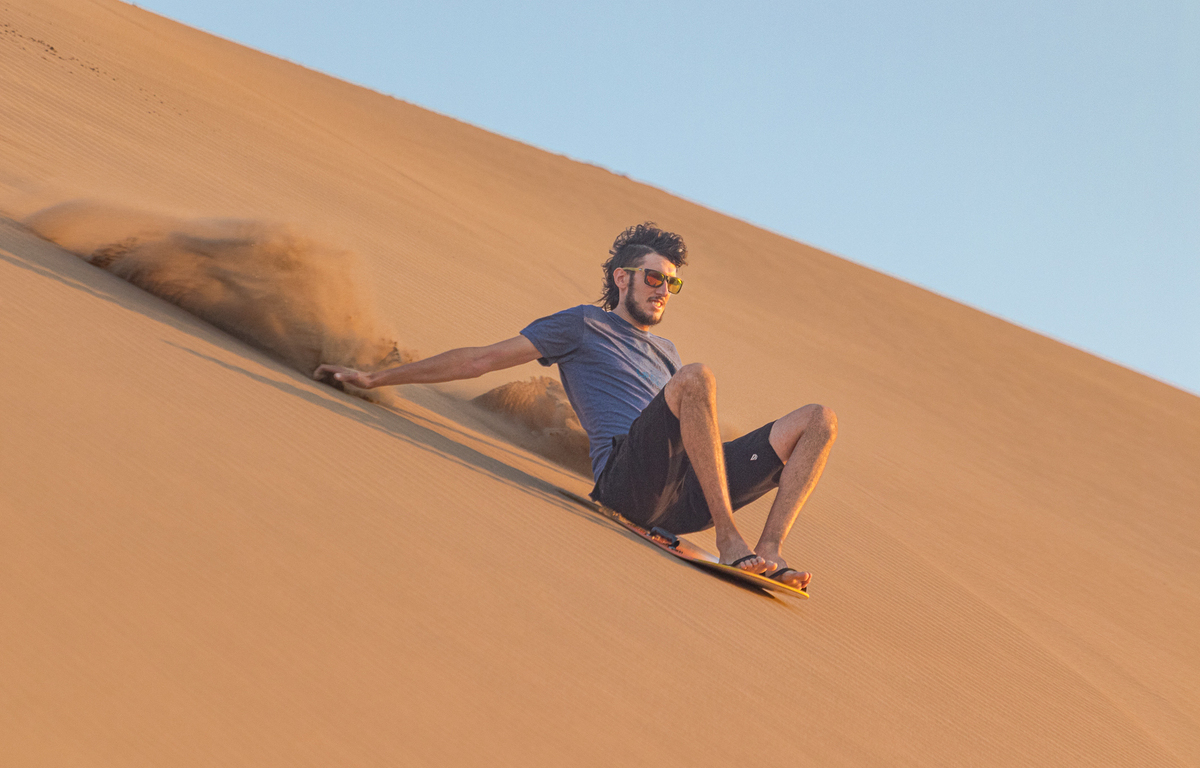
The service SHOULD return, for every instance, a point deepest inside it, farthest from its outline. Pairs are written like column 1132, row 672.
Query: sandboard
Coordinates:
column 685, row 550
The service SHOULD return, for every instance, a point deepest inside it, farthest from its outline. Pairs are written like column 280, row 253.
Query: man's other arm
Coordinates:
column 464, row 363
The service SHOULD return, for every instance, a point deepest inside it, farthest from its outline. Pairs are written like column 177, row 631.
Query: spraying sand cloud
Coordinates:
column 548, row 425
column 263, row 283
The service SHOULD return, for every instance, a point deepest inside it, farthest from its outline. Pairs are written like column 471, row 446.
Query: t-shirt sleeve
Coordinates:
column 556, row 337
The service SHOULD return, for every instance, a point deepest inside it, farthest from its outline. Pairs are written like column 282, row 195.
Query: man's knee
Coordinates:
column 695, row 376
column 814, row 420
column 823, row 420
column 694, row 381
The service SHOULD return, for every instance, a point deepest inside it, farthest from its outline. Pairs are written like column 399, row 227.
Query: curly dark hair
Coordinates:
column 628, row 249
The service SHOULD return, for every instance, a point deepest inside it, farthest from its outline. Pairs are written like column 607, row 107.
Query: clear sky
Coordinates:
column 1037, row 160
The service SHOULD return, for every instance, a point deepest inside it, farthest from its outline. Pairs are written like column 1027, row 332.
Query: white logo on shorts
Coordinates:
column 754, row 457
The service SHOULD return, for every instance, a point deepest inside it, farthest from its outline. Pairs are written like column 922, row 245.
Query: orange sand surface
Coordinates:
column 206, row 558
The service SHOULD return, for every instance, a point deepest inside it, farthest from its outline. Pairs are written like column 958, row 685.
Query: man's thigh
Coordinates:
column 644, row 474
column 752, row 468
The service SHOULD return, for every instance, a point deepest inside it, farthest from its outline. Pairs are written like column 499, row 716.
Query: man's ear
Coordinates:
column 621, row 278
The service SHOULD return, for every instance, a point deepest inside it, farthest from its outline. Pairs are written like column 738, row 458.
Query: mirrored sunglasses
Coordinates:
column 654, row 278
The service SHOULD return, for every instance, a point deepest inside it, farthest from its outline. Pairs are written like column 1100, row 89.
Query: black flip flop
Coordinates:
column 741, row 560
column 774, row 576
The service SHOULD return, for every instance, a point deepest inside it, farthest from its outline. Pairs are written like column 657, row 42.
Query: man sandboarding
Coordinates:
column 651, row 421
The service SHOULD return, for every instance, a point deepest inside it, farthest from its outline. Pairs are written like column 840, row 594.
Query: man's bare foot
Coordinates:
column 742, row 557
column 779, row 570
column 790, row 576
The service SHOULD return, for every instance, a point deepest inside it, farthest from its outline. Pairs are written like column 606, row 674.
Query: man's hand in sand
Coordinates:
column 454, row 365
column 338, row 376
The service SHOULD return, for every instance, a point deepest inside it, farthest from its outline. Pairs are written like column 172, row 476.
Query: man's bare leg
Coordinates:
column 691, row 394
column 802, row 439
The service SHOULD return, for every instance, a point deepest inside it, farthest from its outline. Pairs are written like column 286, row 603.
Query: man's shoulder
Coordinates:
column 587, row 311
column 590, row 311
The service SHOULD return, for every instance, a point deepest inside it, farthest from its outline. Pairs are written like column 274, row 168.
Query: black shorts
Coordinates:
column 649, row 479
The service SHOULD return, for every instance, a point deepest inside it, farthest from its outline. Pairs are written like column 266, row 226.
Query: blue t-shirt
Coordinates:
column 610, row 370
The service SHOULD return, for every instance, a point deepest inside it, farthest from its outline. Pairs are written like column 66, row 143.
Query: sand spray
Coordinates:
column 290, row 296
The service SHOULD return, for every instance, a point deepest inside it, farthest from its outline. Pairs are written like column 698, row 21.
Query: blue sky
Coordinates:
column 1037, row 160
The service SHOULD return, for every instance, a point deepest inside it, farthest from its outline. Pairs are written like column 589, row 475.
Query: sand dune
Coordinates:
column 208, row 558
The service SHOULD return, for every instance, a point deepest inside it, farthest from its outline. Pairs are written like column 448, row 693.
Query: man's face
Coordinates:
column 643, row 303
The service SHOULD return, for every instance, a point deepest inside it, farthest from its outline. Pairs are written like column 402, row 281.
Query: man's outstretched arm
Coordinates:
column 464, row 363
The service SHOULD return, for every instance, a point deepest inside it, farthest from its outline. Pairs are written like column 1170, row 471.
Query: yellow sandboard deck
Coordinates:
column 685, row 550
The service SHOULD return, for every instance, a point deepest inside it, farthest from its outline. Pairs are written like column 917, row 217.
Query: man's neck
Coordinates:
column 621, row 312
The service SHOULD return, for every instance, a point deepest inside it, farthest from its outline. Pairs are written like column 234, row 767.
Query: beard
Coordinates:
column 636, row 311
